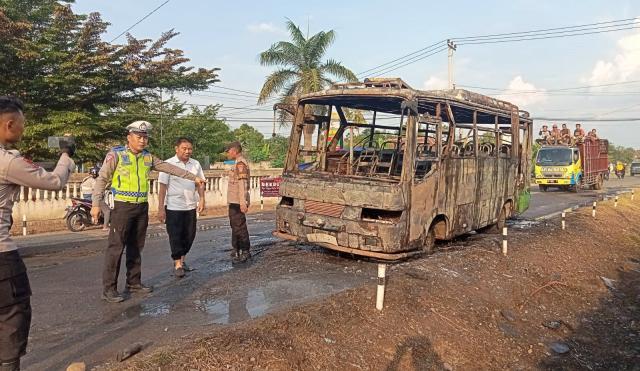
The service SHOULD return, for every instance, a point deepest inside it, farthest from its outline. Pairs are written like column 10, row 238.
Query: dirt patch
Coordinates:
column 559, row 300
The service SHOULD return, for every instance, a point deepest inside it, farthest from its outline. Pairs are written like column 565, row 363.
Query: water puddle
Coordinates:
column 245, row 304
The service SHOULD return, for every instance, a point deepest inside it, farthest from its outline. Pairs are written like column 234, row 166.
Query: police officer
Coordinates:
column 238, row 200
column 15, row 171
column 126, row 170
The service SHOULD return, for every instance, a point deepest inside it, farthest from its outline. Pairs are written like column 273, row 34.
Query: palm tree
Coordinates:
column 301, row 68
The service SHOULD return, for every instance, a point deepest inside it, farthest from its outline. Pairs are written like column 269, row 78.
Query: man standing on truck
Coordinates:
column 126, row 169
column 15, row 171
column 578, row 134
column 565, row 134
column 556, row 137
column 238, row 200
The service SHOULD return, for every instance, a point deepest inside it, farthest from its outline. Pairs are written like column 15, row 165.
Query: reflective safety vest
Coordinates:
column 130, row 182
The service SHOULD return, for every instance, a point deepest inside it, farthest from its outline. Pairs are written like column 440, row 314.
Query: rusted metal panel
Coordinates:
column 323, row 208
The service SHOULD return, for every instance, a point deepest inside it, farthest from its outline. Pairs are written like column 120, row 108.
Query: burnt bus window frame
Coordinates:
column 471, row 118
column 394, row 105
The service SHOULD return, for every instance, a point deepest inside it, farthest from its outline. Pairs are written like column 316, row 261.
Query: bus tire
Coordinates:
column 543, row 188
column 428, row 246
column 496, row 228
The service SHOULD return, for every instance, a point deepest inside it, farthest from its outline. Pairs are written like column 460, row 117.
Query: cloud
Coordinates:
column 263, row 27
column 522, row 93
column 624, row 65
column 435, row 83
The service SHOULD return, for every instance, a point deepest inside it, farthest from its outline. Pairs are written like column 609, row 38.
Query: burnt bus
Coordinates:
column 383, row 170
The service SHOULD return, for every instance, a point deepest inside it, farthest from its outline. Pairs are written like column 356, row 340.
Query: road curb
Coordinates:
column 37, row 245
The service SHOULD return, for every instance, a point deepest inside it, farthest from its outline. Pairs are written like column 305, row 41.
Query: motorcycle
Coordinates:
column 78, row 216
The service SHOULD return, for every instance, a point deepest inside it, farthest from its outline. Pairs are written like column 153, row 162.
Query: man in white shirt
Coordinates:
column 177, row 204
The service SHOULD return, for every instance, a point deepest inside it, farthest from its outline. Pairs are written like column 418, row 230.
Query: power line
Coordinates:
column 411, row 61
column 557, row 89
column 588, row 26
column 401, row 58
column 140, row 21
column 545, row 37
column 238, row 90
column 569, row 31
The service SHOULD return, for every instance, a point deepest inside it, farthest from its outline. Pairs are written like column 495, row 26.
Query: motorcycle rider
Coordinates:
column 88, row 182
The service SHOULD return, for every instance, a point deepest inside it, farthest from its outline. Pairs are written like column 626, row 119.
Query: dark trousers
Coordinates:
column 15, row 307
column 181, row 228
column 129, row 223
column 239, row 232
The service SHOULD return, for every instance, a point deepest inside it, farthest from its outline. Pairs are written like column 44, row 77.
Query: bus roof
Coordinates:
column 383, row 95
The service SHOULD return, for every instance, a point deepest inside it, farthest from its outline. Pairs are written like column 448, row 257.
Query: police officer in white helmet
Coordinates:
column 125, row 171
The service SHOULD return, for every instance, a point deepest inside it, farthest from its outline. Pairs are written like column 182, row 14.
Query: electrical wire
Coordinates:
column 583, row 27
column 140, row 21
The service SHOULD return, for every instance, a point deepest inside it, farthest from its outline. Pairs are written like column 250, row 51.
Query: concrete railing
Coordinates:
column 38, row 204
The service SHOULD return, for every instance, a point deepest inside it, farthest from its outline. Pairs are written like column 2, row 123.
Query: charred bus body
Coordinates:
column 402, row 168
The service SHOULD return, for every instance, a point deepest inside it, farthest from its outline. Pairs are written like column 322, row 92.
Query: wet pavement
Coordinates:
column 71, row 323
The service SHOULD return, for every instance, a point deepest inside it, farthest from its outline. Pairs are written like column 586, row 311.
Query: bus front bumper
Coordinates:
column 349, row 250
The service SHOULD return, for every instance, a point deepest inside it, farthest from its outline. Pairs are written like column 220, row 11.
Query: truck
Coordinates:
column 635, row 168
column 583, row 165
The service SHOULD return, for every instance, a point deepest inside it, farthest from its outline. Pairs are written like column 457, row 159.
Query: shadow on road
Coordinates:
column 415, row 353
column 609, row 337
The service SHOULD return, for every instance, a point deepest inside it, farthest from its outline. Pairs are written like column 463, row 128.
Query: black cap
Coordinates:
column 237, row 145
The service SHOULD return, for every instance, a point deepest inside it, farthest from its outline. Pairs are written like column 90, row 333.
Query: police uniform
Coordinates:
column 15, row 291
column 127, row 176
column 238, row 194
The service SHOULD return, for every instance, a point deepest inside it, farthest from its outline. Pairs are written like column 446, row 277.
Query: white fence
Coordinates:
column 38, row 204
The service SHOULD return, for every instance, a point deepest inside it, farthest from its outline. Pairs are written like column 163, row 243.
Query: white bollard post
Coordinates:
column 261, row 202
column 381, row 283
column 504, row 241
column 24, row 224
column 593, row 210
column 615, row 203
column 564, row 225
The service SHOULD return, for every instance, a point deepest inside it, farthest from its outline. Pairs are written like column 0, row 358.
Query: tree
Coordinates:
column 253, row 143
column 301, row 68
column 173, row 119
column 278, row 147
column 620, row 153
column 73, row 82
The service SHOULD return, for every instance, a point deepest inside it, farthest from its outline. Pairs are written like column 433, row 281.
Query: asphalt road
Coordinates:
column 556, row 200
column 71, row 323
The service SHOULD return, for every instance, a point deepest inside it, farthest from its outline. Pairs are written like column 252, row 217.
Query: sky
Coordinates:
column 230, row 34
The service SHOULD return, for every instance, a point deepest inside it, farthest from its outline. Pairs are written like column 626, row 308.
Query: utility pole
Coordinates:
column 273, row 134
column 452, row 48
column 161, row 126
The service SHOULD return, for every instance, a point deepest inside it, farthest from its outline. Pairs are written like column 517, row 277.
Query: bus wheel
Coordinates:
column 543, row 188
column 428, row 246
column 500, row 223
column 598, row 185
column 502, row 218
